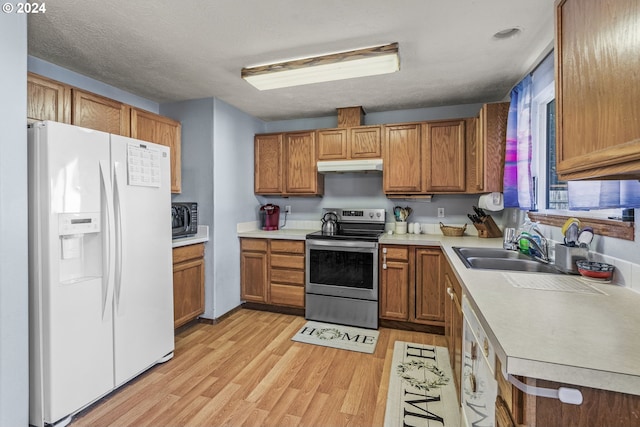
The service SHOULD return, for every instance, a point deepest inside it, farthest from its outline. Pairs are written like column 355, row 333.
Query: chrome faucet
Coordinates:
column 542, row 248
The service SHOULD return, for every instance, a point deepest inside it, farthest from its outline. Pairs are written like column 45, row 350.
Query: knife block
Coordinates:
column 487, row 228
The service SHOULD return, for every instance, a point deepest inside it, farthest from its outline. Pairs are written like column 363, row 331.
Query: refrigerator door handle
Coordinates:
column 107, row 284
column 118, row 235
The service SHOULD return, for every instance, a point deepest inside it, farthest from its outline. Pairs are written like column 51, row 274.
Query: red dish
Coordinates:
column 597, row 270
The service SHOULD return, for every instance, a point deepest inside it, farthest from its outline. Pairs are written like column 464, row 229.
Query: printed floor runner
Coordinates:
column 338, row 336
column 422, row 392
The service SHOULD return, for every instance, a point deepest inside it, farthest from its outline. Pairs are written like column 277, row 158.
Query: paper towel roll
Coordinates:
column 491, row 202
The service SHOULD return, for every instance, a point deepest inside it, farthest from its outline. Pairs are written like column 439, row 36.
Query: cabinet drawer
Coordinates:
column 288, row 246
column 253, row 245
column 400, row 253
column 287, row 295
column 292, row 277
column 185, row 253
column 287, row 261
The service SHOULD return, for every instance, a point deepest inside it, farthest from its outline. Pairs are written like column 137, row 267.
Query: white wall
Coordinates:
column 196, row 117
column 217, row 172
column 14, row 327
column 234, row 200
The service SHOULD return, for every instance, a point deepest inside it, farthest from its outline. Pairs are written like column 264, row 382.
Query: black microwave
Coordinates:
column 184, row 219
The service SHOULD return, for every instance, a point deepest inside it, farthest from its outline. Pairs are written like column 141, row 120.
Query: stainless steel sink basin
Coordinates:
column 502, row 259
column 489, row 253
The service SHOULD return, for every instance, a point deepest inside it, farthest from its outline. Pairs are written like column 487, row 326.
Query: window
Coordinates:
column 556, row 191
column 552, row 194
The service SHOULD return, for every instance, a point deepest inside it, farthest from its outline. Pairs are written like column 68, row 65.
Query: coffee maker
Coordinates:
column 269, row 217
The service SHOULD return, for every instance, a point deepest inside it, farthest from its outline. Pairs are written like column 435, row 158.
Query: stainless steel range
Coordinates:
column 342, row 269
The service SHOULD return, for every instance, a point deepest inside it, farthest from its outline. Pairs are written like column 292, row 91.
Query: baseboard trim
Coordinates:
column 407, row 326
column 295, row 311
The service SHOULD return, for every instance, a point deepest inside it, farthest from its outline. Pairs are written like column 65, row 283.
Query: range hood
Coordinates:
column 349, row 166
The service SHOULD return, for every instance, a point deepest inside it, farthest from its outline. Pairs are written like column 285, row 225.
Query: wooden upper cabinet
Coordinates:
column 365, row 142
column 164, row 131
column 362, row 142
column 301, row 170
column 486, row 144
column 402, row 154
column 597, row 89
column 97, row 112
column 445, row 156
column 47, row 100
column 332, row 144
column 268, row 163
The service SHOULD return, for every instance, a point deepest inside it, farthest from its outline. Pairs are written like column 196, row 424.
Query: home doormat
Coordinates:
column 338, row 336
column 422, row 391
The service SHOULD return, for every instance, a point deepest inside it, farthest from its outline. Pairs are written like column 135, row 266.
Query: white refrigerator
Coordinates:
column 100, row 265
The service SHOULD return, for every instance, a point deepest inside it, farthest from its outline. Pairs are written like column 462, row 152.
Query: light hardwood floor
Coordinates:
column 246, row 371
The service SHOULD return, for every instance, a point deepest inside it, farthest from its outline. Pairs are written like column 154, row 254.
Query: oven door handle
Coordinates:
column 342, row 244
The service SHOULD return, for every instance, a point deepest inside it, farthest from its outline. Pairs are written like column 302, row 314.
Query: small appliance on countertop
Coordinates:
column 270, row 217
column 184, row 219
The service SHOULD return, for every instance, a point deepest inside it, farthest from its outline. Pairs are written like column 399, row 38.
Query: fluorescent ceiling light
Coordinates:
column 338, row 66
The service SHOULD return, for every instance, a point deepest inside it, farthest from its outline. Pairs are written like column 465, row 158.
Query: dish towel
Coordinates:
column 518, row 186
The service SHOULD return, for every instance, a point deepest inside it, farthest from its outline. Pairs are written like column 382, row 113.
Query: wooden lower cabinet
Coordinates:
column 410, row 284
column 453, row 321
column 286, row 272
column 272, row 271
column 600, row 408
column 188, row 283
column 394, row 282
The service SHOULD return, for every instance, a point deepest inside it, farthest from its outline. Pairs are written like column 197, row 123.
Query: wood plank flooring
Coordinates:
column 246, row 371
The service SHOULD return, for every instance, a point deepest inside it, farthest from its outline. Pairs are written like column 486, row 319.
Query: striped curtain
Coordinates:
column 518, row 185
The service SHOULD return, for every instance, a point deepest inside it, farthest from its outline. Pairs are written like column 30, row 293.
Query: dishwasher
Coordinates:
column 479, row 386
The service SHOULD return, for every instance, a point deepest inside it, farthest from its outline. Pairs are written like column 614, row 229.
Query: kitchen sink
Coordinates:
column 502, row 259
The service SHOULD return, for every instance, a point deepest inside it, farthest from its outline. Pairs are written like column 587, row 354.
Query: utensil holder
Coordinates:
column 567, row 256
column 487, row 228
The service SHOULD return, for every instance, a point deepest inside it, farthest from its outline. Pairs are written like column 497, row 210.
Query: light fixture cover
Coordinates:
column 338, row 66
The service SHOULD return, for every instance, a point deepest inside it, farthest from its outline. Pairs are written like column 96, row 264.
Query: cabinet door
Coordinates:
column 268, row 164
column 188, row 291
column 332, row 144
column 394, row 283
column 99, row 113
column 597, row 89
column 493, row 134
column 301, row 164
column 430, row 290
column 254, row 264
column 160, row 130
column 453, row 325
column 188, row 283
column 253, row 276
column 47, row 100
column 365, row 143
column 402, row 154
column 445, row 156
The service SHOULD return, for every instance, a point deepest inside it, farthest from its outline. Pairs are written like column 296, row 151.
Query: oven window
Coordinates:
column 341, row 268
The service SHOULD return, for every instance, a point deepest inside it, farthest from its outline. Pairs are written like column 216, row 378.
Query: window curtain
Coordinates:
column 585, row 195
column 518, row 184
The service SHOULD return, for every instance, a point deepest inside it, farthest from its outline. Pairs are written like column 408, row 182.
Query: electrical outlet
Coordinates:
column 287, row 209
column 440, row 212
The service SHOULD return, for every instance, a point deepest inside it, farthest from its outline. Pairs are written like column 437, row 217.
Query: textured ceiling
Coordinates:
column 177, row 50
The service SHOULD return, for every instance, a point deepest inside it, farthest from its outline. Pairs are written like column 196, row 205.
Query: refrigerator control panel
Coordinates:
column 78, row 223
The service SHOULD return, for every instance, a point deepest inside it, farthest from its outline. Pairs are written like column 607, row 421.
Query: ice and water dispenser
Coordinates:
column 80, row 246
